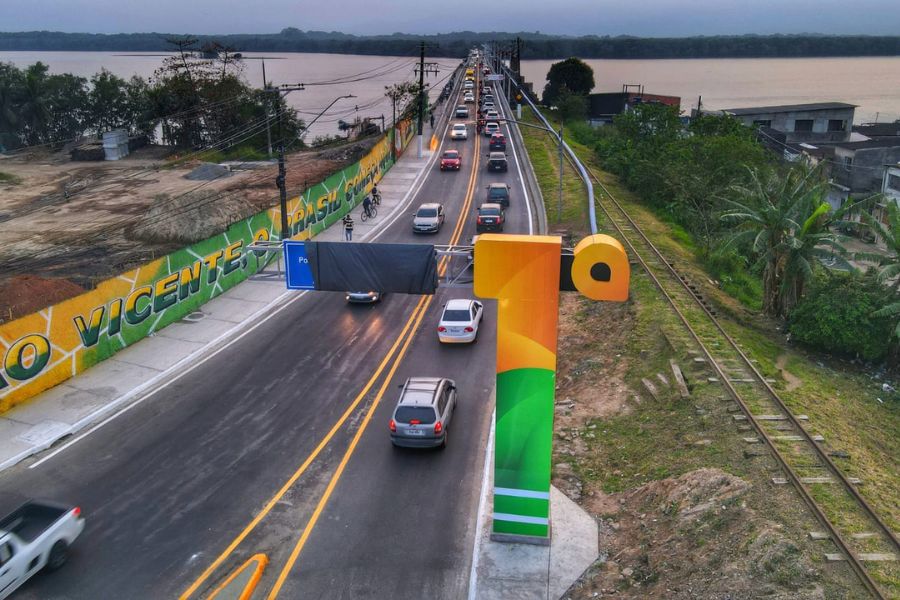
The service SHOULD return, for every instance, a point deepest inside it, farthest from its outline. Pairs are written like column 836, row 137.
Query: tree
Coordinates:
column 786, row 220
column 400, row 95
column 108, row 103
column 11, row 86
column 888, row 264
column 570, row 106
column 839, row 314
column 572, row 73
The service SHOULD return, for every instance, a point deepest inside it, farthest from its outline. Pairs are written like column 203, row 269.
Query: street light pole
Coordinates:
column 559, row 136
column 281, row 178
column 561, row 165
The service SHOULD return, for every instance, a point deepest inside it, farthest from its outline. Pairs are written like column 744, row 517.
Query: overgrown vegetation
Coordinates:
column 761, row 228
column 838, row 315
column 192, row 100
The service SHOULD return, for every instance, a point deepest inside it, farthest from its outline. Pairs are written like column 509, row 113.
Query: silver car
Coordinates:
column 423, row 413
column 429, row 218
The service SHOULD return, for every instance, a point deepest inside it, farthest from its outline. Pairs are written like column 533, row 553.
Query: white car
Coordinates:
column 469, row 98
column 469, row 84
column 459, row 131
column 462, row 112
column 460, row 321
column 491, row 115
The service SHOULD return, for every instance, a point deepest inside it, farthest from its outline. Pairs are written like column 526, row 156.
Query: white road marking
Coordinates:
column 473, row 574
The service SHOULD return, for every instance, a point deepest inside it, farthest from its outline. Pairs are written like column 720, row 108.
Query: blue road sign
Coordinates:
column 297, row 268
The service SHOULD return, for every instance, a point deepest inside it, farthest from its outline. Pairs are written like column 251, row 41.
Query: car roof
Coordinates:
column 497, row 155
column 458, row 304
column 459, row 126
column 492, row 205
column 420, row 391
column 498, row 134
column 451, row 151
column 430, row 205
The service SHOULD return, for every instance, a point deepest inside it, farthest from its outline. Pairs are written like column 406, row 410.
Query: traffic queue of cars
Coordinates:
column 426, row 404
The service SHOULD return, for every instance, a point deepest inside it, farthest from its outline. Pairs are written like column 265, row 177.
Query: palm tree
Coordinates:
column 888, row 264
column 786, row 221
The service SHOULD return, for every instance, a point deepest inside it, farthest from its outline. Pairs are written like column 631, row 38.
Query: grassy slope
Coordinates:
column 660, row 440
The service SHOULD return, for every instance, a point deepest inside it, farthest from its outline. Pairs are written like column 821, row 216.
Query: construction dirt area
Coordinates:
column 67, row 225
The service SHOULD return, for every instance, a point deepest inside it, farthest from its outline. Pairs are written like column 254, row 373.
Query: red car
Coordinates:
column 451, row 160
column 498, row 142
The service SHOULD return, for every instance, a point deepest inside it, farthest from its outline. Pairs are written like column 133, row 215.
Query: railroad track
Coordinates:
column 860, row 535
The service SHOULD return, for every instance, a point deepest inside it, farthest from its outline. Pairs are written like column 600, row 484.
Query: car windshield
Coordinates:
column 451, row 154
column 489, row 212
column 456, row 315
column 498, row 193
column 427, row 212
column 459, row 127
column 422, row 414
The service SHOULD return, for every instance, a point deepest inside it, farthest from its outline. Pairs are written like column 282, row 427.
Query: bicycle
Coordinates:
column 371, row 214
column 376, row 198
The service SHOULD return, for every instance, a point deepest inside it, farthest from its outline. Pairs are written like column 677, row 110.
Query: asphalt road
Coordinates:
column 248, row 453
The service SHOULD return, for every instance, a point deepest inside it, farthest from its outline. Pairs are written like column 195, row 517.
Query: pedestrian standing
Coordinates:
column 348, row 227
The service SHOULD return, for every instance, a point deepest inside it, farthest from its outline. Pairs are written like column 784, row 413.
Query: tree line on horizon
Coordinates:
column 458, row 44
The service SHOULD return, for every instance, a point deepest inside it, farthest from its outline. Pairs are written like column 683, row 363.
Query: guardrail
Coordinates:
column 592, row 212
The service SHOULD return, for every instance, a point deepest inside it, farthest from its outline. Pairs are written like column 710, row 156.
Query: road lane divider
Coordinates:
column 417, row 312
column 249, row 587
column 335, row 478
column 332, row 483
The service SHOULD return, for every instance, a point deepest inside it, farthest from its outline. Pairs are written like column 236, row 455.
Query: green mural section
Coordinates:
column 522, row 453
column 47, row 347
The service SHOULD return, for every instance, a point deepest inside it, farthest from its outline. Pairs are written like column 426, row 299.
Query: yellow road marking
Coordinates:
column 347, row 454
column 332, row 483
column 303, row 467
column 261, row 561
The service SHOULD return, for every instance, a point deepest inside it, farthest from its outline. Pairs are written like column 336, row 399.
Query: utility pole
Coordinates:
column 431, row 68
column 281, row 178
column 421, row 95
column 268, row 130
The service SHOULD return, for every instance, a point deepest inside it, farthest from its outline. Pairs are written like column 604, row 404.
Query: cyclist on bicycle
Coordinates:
column 367, row 206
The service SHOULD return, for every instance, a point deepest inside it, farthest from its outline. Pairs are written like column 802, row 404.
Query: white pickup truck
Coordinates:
column 34, row 536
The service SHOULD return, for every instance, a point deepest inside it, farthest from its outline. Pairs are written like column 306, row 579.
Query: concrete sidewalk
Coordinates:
column 167, row 355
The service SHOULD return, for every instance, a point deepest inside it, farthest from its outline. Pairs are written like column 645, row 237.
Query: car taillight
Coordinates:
column 479, row 220
column 442, row 329
column 414, row 422
column 393, row 426
column 76, row 512
column 469, row 330
column 438, row 428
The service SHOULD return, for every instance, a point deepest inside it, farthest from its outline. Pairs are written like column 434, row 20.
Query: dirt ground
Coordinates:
column 712, row 530
column 64, row 225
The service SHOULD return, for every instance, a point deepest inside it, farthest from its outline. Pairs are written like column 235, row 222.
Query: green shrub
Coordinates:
column 836, row 315
column 9, row 178
column 730, row 268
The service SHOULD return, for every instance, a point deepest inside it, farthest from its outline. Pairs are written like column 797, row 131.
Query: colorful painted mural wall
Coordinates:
column 47, row 347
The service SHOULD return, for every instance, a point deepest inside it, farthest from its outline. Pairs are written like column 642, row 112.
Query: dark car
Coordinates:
column 451, row 161
column 498, row 193
column 497, row 162
column 490, row 218
column 498, row 142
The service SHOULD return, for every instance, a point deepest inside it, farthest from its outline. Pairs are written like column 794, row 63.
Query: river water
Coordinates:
column 363, row 76
column 872, row 83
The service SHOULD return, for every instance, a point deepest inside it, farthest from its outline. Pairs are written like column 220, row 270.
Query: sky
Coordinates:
column 570, row 17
